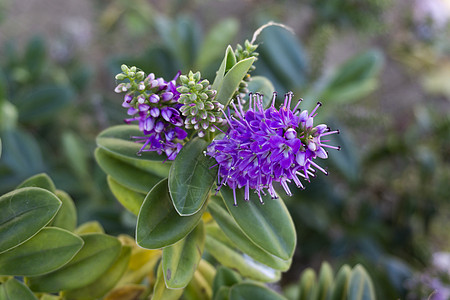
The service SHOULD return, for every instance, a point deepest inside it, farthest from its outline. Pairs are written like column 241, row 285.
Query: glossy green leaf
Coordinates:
column 159, row 225
column 133, row 178
column 262, row 85
column 307, row 284
column 118, row 141
column 90, row 227
column 66, row 217
column 98, row 254
column 223, row 251
column 161, row 292
column 220, row 35
column 130, row 199
column 232, row 79
column 228, row 62
column 225, row 277
column 268, row 225
column 340, row 286
column 15, row 290
column 322, row 290
column 226, row 222
column 23, row 213
column 43, row 102
column 247, row 290
column 180, row 260
column 360, row 286
column 41, row 181
column 50, row 249
column 191, row 177
column 106, row 282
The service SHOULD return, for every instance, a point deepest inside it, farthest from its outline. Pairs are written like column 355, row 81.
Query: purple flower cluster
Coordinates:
column 263, row 146
column 153, row 102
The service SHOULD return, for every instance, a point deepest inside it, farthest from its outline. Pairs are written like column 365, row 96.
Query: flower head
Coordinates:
column 153, row 102
column 202, row 112
column 263, row 146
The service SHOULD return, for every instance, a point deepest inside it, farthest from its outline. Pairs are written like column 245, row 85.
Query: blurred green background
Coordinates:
column 381, row 68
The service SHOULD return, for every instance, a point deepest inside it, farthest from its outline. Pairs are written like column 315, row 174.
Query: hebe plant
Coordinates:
column 200, row 170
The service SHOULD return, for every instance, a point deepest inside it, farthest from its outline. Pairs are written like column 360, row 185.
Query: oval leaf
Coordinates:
column 360, row 286
column 269, row 226
column 40, row 180
column 47, row 251
column 66, row 218
column 159, row 225
column 225, row 277
column 232, row 79
column 130, row 199
column 247, row 290
column 340, row 287
column 226, row 222
column 23, row 213
column 13, row 289
column 106, row 282
column 133, row 178
column 324, row 283
column 222, row 250
column 161, row 292
column 191, row 177
column 180, row 260
column 90, row 227
column 94, row 259
column 307, row 284
column 117, row 140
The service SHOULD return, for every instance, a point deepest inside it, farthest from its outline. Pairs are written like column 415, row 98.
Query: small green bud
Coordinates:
column 120, row 76
column 124, row 68
column 184, row 79
column 133, row 69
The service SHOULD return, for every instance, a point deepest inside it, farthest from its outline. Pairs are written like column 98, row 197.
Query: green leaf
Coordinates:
column 352, row 80
column 117, row 140
column 90, row 227
column 232, row 79
column 217, row 38
column 66, row 217
column 262, row 85
column 307, row 284
column 268, row 225
column 180, row 260
column 360, row 286
column 224, row 252
column 98, row 254
column 76, row 154
column 43, row 102
column 130, row 199
column 322, row 290
column 284, row 56
column 41, row 181
column 159, row 225
column 131, row 177
column 14, row 290
column 227, row 63
column 226, row 222
column 340, row 287
column 225, row 277
column 222, row 294
column 191, row 177
column 198, row 288
column 50, row 249
column 23, row 213
column 106, row 282
column 247, row 290
column 161, row 292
